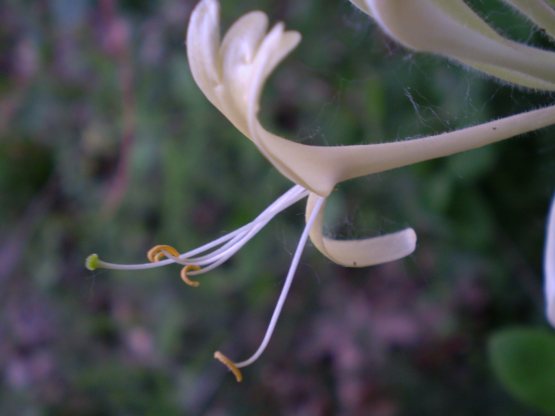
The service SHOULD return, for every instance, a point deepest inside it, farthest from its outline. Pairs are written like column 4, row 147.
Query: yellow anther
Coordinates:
column 229, row 364
column 185, row 278
column 157, row 253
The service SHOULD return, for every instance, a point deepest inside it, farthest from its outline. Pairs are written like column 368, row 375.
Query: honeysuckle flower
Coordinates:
column 231, row 72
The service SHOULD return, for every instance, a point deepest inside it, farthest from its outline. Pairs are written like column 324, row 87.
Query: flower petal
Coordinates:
column 452, row 29
column 363, row 252
column 549, row 265
column 362, row 6
column 203, row 39
column 237, row 52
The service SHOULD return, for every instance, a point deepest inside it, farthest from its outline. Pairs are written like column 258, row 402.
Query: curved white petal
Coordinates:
column 549, row 265
column 238, row 52
column 203, row 42
column 363, row 6
column 363, row 252
column 452, row 29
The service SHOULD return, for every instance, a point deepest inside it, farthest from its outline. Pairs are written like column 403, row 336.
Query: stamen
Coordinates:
column 185, row 278
column 157, row 253
column 229, row 364
column 214, row 253
column 283, row 295
column 211, row 255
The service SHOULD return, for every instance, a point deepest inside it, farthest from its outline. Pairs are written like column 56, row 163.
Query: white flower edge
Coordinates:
column 361, row 252
column 454, row 30
column 549, row 265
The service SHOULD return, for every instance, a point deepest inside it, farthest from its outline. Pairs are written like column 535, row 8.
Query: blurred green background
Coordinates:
column 108, row 146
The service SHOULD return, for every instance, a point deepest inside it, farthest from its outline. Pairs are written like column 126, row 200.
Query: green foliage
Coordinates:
column 524, row 361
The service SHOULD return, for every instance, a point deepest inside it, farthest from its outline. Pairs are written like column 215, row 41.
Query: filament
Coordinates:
column 284, row 290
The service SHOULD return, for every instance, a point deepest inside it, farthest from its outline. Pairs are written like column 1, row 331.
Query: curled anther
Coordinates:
column 157, row 253
column 185, row 278
column 160, row 256
column 230, row 365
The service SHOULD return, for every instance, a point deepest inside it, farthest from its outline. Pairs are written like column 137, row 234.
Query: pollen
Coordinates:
column 230, row 365
column 185, row 278
column 157, row 253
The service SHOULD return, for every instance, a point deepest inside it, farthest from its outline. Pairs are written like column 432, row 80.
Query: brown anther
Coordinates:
column 230, row 365
column 185, row 278
column 157, row 253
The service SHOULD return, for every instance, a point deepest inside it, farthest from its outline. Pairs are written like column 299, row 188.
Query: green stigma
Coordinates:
column 92, row 262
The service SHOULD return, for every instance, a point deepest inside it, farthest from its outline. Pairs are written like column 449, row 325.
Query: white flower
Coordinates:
column 231, row 73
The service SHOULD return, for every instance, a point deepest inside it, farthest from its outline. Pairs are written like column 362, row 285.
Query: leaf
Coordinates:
column 523, row 360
